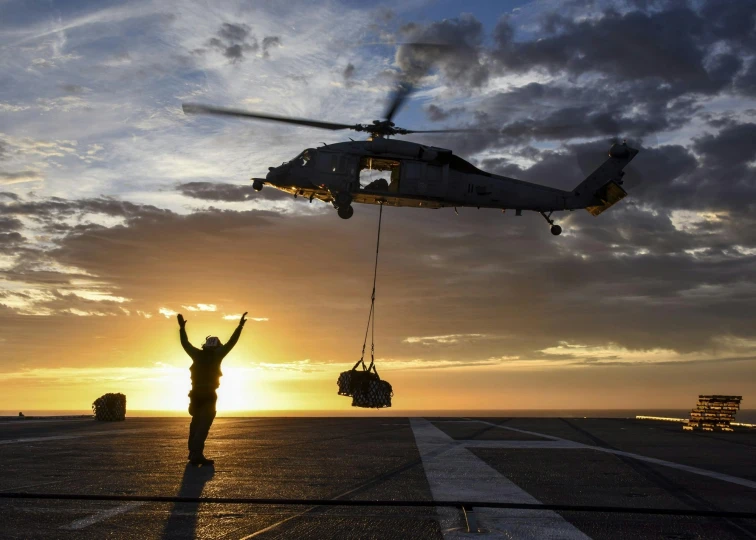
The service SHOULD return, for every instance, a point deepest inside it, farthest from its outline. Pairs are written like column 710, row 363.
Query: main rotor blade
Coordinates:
column 405, row 132
column 194, row 108
column 411, row 77
column 400, row 95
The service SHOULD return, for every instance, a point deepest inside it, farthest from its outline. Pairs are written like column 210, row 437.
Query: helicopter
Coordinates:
column 418, row 175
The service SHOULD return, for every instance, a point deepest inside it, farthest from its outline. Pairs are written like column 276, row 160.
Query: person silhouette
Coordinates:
column 206, row 374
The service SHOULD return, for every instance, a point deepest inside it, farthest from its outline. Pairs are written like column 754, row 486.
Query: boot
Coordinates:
column 201, row 461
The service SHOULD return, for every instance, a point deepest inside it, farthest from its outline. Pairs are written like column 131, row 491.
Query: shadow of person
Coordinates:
column 182, row 522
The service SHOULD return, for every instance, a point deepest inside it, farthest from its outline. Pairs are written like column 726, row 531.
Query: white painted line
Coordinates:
column 76, row 436
column 101, row 516
column 551, row 437
column 51, row 438
column 455, row 474
column 687, row 468
column 554, row 445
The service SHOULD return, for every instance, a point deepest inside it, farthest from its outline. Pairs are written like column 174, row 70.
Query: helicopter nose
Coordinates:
column 273, row 174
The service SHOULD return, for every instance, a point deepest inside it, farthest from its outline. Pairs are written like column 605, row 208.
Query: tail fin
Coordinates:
column 602, row 188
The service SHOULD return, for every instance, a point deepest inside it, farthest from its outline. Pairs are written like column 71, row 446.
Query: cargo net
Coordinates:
column 365, row 387
column 110, row 408
column 713, row 413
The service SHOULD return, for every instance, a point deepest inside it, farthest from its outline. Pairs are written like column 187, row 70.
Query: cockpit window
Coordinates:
column 304, row 159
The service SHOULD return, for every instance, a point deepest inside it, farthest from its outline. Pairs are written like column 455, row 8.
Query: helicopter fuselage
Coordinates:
column 416, row 175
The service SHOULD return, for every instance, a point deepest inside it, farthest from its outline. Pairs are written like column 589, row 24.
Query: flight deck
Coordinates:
column 584, row 463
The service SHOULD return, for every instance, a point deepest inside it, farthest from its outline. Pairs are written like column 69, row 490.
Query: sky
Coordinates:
column 117, row 211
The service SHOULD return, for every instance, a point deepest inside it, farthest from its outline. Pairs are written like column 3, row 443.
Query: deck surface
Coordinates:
column 614, row 462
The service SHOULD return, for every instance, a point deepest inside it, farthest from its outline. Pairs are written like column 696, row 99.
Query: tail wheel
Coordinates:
column 345, row 212
column 556, row 230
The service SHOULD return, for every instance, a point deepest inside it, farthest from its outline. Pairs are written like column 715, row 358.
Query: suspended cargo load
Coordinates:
column 364, row 385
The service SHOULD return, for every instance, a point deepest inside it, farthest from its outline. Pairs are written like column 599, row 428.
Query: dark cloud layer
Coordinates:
column 234, row 41
column 438, row 114
column 453, row 46
column 615, row 74
column 215, row 191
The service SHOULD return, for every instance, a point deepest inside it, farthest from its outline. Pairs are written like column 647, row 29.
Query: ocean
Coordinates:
column 745, row 415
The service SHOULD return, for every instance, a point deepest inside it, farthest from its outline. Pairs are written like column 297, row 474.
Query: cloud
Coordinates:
column 610, row 354
column 443, row 340
column 216, row 191
column 729, row 147
column 676, row 39
column 8, row 178
column 234, row 41
column 81, row 313
column 201, row 307
column 453, row 46
column 268, row 43
column 9, row 224
column 167, row 313
column 237, row 317
column 437, row 114
column 72, row 88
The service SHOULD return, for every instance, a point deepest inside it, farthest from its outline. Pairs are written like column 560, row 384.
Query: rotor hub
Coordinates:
column 381, row 128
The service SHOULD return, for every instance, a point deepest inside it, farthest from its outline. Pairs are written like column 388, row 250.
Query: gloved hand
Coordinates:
column 243, row 320
column 181, row 320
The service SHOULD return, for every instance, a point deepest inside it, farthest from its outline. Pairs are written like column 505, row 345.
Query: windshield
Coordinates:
column 305, row 158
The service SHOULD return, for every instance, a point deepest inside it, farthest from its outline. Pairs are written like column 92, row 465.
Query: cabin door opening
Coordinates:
column 379, row 174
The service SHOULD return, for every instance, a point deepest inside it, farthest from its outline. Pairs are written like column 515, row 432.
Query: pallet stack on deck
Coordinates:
column 713, row 413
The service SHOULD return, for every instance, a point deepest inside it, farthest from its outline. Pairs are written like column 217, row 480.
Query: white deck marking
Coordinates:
column 672, row 465
column 455, row 474
column 558, row 445
column 76, row 436
column 101, row 516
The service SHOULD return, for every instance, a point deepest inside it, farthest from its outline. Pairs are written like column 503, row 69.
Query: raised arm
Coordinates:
column 235, row 336
column 188, row 347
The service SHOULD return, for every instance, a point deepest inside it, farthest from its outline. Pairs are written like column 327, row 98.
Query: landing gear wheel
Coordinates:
column 556, row 230
column 257, row 185
column 345, row 212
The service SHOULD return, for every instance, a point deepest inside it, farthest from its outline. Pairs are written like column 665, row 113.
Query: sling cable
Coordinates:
column 364, row 386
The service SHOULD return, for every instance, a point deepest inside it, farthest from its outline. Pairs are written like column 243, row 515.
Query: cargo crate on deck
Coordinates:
column 713, row 413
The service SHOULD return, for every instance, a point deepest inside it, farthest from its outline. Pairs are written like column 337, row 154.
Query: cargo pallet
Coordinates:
column 713, row 413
